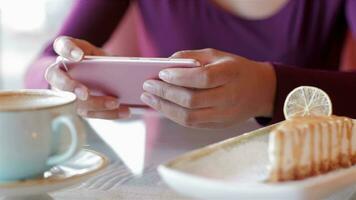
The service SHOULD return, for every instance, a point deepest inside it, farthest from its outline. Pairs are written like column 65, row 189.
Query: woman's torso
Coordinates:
column 301, row 32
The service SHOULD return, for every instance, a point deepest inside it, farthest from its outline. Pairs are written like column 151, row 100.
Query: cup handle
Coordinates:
column 73, row 126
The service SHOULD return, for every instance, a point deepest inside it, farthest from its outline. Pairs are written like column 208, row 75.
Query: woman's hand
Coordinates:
column 106, row 107
column 225, row 90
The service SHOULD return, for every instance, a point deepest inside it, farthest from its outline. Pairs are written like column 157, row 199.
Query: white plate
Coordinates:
column 237, row 168
column 81, row 167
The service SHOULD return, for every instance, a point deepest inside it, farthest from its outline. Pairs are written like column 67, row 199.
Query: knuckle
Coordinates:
column 181, row 54
column 188, row 117
column 162, row 91
column 91, row 103
column 190, row 100
column 99, row 104
column 160, row 105
column 88, row 47
column 86, row 43
column 67, row 85
column 210, row 51
column 207, row 78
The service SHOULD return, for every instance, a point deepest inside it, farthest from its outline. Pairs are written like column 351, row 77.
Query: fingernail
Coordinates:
column 111, row 104
column 76, row 54
column 148, row 99
column 149, row 86
column 81, row 94
column 164, row 75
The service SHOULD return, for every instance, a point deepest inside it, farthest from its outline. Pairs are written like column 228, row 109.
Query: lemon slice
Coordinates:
column 307, row 100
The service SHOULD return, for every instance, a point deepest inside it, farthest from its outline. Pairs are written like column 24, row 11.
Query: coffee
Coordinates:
column 32, row 124
column 26, row 101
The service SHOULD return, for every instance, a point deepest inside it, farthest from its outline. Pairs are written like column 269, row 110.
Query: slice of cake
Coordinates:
column 307, row 146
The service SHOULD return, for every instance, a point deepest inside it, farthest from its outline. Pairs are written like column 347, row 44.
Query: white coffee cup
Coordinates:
column 31, row 123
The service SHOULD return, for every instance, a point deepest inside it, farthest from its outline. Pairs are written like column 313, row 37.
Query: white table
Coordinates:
column 136, row 147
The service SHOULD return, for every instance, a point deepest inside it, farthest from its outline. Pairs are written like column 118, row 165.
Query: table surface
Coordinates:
column 136, row 147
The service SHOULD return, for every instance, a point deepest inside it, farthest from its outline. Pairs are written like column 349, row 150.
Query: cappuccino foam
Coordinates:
column 24, row 101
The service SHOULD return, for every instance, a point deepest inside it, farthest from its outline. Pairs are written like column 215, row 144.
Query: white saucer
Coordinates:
column 81, row 167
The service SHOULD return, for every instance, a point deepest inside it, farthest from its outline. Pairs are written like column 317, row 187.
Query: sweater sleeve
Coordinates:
column 91, row 20
column 351, row 15
column 340, row 86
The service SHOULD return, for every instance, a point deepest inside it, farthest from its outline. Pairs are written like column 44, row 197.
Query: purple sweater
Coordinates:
column 304, row 39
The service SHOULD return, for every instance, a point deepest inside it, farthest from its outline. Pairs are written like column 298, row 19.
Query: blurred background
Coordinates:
column 25, row 27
